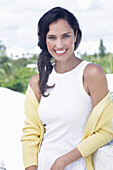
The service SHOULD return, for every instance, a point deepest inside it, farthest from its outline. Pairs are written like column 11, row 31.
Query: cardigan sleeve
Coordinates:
column 31, row 131
column 96, row 140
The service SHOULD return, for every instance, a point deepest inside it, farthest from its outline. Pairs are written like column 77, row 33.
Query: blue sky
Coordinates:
column 19, row 18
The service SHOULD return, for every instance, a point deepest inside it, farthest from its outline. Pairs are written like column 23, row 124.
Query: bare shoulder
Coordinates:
column 93, row 70
column 96, row 81
column 34, row 84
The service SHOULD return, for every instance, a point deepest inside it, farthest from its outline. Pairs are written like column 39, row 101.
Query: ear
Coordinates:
column 76, row 36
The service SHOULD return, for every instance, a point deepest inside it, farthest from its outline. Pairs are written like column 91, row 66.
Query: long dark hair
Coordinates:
column 44, row 60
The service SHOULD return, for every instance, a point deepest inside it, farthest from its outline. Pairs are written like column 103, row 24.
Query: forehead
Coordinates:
column 59, row 26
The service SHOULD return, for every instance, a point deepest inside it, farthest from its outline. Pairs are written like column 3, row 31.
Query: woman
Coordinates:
column 70, row 98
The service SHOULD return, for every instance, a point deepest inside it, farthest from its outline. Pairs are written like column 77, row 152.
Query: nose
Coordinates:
column 59, row 43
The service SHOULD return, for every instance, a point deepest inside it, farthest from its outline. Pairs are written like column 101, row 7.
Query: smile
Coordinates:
column 60, row 52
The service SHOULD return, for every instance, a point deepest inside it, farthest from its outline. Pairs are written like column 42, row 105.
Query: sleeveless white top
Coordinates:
column 65, row 112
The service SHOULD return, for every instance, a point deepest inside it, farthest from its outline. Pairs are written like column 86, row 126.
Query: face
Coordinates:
column 60, row 40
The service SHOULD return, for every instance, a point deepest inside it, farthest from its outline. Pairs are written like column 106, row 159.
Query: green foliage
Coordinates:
column 20, row 81
column 2, row 49
column 102, row 49
column 22, row 62
column 106, row 62
column 14, row 74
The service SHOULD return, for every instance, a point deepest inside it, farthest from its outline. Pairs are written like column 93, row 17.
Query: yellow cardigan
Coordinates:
column 98, row 130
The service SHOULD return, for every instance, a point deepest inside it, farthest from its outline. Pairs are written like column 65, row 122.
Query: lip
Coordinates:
column 62, row 53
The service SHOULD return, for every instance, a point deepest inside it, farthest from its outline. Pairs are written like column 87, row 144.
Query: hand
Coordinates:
column 58, row 165
column 31, row 168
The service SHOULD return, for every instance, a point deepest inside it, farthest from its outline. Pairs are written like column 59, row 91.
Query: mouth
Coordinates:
column 60, row 52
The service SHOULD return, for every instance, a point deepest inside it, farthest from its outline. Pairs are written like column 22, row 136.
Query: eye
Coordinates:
column 51, row 37
column 66, row 36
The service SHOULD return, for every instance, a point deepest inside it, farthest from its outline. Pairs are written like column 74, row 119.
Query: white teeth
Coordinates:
column 60, row 52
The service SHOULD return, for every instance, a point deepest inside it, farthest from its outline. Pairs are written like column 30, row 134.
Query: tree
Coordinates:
column 2, row 49
column 102, row 49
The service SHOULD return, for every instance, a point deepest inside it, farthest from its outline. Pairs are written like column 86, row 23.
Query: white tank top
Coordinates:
column 65, row 112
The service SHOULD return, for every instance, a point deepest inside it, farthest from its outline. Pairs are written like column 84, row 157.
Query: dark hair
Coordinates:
column 44, row 60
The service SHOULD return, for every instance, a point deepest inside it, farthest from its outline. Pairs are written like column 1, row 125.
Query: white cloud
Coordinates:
column 93, row 47
column 19, row 20
column 13, row 50
column 84, row 4
column 90, row 47
column 96, row 5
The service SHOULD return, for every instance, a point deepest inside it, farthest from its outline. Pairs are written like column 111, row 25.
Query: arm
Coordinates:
column 96, row 85
column 31, row 131
column 86, row 147
column 66, row 159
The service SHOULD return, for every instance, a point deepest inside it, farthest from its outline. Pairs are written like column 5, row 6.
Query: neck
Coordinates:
column 63, row 67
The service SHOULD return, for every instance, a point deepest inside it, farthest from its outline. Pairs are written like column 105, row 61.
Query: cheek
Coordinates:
column 49, row 45
column 70, row 43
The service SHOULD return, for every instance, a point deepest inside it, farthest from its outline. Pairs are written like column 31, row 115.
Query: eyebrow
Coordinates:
column 61, row 35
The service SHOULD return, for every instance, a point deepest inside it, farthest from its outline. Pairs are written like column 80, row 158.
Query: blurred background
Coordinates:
column 19, row 53
column 18, row 36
